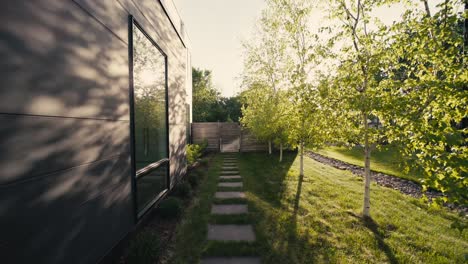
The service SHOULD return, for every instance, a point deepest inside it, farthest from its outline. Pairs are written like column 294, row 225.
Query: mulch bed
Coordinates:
column 404, row 186
column 165, row 228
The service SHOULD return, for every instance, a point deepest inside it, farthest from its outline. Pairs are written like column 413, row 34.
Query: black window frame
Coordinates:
column 135, row 175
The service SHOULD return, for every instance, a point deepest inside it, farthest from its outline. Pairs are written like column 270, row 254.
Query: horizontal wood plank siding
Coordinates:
column 65, row 155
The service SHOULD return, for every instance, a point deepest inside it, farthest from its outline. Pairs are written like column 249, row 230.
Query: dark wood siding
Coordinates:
column 65, row 180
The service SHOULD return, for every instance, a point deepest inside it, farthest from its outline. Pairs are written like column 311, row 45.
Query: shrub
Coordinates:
column 143, row 248
column 195, row 151
column 182, row 190
column 170, row 208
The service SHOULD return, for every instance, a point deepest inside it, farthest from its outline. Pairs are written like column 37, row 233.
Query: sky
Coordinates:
column 216, row 28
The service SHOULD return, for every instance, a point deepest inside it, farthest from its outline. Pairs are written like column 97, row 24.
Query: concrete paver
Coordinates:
column 230, row 177
column 231, row 233
column 229, row 168
column 228, row 195
column 223, row 233
column 230, row 184
column 229, row 209
column 229, row 172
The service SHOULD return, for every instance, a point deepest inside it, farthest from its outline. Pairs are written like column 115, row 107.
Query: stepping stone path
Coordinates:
column 230, row 177
column 229, row 195
column 230, row 184
column 227, row 209
column 243, row 260
column 230, row 232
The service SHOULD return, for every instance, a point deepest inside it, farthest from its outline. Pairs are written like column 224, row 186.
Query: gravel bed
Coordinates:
column 404, row 186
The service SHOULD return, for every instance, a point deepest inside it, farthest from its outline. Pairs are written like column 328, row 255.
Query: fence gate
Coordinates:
column 225, row 137
column 230, row 137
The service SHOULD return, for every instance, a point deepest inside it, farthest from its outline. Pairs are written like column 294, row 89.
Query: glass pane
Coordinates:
column 149, row 87
column 149, row 186
column 149, row 84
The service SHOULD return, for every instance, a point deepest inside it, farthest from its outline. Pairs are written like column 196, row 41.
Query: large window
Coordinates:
column 149, row 118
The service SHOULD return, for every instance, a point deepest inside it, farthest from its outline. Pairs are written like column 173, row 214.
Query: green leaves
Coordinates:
column 282, row 104
column 409, row 79
column 426, row 66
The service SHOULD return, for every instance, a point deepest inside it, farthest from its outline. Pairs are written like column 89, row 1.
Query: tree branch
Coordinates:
column 426, row 6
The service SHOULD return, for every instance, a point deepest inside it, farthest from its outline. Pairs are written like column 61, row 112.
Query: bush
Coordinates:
column 170, row 208
column 182, row 190
column 194, row 151
column 144, row 248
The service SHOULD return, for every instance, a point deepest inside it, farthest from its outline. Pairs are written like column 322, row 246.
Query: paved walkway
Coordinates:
column 230, row 178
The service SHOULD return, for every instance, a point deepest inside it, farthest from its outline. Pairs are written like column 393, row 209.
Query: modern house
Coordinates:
column 95, row 103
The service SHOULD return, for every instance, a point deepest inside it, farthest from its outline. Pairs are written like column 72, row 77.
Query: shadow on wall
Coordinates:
column 65, row 191
column 64, row 152
column 177, row 123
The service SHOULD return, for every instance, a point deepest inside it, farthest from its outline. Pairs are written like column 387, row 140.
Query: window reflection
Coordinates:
column 149, row 87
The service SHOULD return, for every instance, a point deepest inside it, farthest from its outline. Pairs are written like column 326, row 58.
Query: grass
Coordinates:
column 316, row 219
column 191, row 233
column 386, row 160
column 191, row 243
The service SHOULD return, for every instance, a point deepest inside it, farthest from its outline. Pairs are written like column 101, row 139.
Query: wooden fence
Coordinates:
column 226, row 137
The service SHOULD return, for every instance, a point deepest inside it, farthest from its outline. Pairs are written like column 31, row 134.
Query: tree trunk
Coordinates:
column 367, row 180
column 281, row 151
column 301, row 173
column 426, row 7
column 269, row 147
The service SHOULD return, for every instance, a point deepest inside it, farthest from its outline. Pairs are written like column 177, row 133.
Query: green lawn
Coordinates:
column 191, row 233
column 316, row 219
column 386, row 160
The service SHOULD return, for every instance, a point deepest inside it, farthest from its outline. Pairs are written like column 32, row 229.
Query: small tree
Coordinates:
column 308, row 122
column 426, row 96
column 263, row 76
column 257, row 112
column 283, row 62
column 357, row 79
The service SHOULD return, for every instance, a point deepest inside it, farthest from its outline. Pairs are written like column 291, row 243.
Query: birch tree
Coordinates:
column 263, row 76
column 357, row 78
column 308, row 121
column 411, row 78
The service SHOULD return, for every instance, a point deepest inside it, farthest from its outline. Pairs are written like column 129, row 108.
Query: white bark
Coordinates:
column 269, row 147
column 281, row 152
column 367, row 180
column 302, row 159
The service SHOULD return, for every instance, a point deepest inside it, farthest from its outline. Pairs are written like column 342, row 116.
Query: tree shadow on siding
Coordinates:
column 65, row 192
